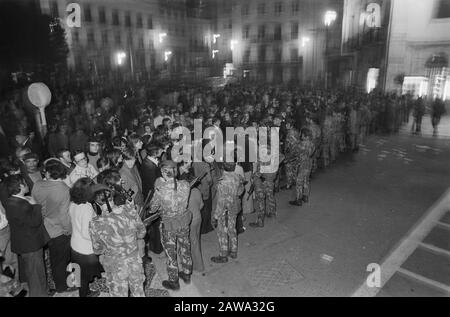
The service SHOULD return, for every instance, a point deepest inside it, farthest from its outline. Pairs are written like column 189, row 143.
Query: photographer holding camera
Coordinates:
column 131, row 180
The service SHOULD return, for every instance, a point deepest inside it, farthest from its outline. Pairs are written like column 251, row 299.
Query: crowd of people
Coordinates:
column 102, row 190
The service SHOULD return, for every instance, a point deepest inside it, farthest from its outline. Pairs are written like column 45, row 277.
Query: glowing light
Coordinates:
column 233, row 43
column 330, row 17
column 372, row 79
column 162, row 36
column 305, row 40
column 120, row 57
column 215, row 37
column 166, row 55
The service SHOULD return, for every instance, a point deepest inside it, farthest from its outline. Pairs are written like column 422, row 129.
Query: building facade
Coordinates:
column 138, row 38
column 419, row 48
column 277, row 41
column 398, row 46
column 364, row 37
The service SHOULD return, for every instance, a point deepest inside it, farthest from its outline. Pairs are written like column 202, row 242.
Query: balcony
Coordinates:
column 375, row 36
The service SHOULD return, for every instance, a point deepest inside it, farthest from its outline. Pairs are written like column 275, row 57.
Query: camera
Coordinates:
column 113, row 121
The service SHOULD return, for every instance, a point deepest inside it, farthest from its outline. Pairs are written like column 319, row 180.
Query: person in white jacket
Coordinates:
column 81, row 213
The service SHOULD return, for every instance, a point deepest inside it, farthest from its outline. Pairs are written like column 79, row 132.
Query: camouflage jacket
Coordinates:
column 306, row 151
column 171, row 203
column 291, row 145
column 229, row 188
column 328, row 127
column 116, row 234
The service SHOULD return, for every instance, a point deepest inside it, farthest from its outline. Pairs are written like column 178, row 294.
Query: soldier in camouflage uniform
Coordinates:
column 171, row 199
column 304, row 166
column 353, row 128
column 316, row 133
column 291, row 144
column 328, row 147
column 119, row 239
column 264, row 191
column 339, row 133
column 229, row 189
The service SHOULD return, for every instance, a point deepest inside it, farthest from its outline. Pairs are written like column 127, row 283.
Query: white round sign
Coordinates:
column 39, row 95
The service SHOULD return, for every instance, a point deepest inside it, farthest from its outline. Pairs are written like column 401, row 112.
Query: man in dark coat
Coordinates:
column 28, row 234
column 150, row 172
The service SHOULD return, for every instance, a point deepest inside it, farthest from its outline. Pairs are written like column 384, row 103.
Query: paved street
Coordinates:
column 360, row 209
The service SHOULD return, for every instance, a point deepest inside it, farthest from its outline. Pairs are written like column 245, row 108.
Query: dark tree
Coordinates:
column 27, row 44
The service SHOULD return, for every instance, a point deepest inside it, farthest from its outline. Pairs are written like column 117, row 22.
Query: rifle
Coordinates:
column 148, row 221
column 251, row 190
column 147, row 200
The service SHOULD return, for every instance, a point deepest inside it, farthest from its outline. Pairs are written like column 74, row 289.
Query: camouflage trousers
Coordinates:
column 265, row 197
column 362, row 134
column 291, row 173
column 340, row 142
column 353, row 141
column 123, row 274
column 303, row 180
column 326, row 154
column 172, row 242
column 226, row 232
column 329, row 150
column 316, row 156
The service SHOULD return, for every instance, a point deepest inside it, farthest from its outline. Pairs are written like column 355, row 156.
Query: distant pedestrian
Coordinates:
column 437, row 111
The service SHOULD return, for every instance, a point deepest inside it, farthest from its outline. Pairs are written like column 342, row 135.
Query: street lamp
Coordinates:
column 215, row 37
column 120, row 57
column 305, row 40
column 162, row 36
column 233, row 43
column 166, row 55
column 329, row 18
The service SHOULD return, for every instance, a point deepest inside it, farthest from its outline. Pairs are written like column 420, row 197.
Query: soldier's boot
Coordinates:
column 185, row 277
column 219, row 259
column 305, row 199
column 232, row 255
column 296, row 203
column 171, row 285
